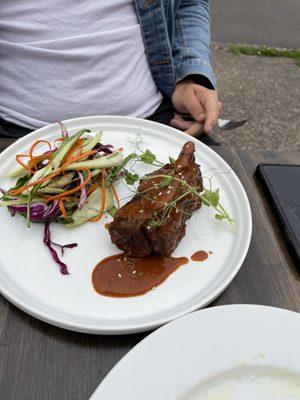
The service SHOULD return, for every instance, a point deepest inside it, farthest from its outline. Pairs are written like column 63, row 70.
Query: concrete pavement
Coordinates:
column 263, row 22
column 265, row 89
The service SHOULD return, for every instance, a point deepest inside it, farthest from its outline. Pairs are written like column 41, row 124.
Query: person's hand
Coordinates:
column 200, row 102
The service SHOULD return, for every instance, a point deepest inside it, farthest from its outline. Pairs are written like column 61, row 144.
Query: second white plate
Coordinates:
column 234, row 352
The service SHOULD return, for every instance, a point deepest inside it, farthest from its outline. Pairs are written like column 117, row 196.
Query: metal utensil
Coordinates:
column 222, row 124
column 228, row 124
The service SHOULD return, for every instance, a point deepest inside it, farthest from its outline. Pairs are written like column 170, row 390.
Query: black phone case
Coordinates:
column 294, row 241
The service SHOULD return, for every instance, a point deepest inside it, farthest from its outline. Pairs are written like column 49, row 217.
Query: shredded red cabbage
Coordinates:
column 44, row 163
column 63, row 129
column 83, row 195
column 105, row 148
column 47, row 240
column 52, row 212
column 64, row 246
column 39, row 212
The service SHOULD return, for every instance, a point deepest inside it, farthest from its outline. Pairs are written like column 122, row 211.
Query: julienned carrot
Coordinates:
column 71, row 191
column 72, row 149
column 25, row 166
column 83, row 155
column 33, row 146
column 103, row 198
column 92, row 188
column 37, row 159
column 103, row 191
column 15, row 192
column 33, row 161
column 61, row 139
column 62, row 208
column 115, row 195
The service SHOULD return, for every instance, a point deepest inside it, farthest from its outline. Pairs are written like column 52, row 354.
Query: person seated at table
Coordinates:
column 145, row 58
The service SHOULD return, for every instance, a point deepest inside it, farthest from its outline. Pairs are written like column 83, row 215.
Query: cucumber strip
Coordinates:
column 21, row 201
column 91, row 208
column 100, row 162
column 16, row 173
column 61, row 181
column 92, row 142
column 95, row 172
column 51, row 190
column 66, row 145
column 57, row 159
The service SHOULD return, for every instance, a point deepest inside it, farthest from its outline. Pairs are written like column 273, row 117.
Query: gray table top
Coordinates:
column 39, row 361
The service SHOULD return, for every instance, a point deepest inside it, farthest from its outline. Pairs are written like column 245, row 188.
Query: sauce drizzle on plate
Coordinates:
column 121, row 276
column 200, row 255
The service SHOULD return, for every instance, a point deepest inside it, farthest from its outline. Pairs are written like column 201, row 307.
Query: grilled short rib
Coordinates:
column 135, row 229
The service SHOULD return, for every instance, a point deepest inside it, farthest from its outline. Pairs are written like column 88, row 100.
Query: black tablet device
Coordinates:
column 282, row 183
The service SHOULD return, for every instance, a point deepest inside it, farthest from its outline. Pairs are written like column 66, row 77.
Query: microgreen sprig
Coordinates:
column 146, row 157
column 210, row 198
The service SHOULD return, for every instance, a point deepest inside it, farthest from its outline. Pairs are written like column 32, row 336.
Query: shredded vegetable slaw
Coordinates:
column 67, row 183
column 69, row 177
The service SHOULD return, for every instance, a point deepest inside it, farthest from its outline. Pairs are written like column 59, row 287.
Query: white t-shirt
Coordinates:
column 63, row 59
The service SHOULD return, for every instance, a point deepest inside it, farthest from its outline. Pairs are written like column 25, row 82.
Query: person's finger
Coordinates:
column 196, row 129
column 194, row 107
column 181, row 124
column 179, row 117
column 212, row 109
column 202, row 117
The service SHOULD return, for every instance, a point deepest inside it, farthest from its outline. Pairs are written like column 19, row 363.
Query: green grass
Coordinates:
column 265, row 51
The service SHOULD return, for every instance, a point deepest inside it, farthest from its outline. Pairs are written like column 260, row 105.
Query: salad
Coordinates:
column 71, row 183
column 67, row 183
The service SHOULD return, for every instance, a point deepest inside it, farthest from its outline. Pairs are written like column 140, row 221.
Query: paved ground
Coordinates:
column 268, row 90
column 269, row 22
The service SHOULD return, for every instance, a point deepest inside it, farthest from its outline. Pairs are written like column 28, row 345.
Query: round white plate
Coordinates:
column 30, row 279
column 241, row 342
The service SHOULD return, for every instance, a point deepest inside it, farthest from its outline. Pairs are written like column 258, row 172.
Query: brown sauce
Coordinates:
column 106, row 225
column 120, row 276
column 200, row 255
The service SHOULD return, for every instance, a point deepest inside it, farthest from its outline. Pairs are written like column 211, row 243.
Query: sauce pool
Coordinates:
column 121, row 276
column 200, row 255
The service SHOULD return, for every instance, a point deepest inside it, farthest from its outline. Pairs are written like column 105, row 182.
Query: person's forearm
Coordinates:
column 191, row 47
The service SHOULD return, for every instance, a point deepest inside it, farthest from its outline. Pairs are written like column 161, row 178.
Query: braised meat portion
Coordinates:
column 154, row 220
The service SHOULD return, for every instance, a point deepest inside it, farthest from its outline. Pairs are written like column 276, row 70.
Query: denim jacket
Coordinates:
column 177, row 40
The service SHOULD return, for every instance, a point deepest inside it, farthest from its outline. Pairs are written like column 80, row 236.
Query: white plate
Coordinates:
column 249, row 340
column 30, row 279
